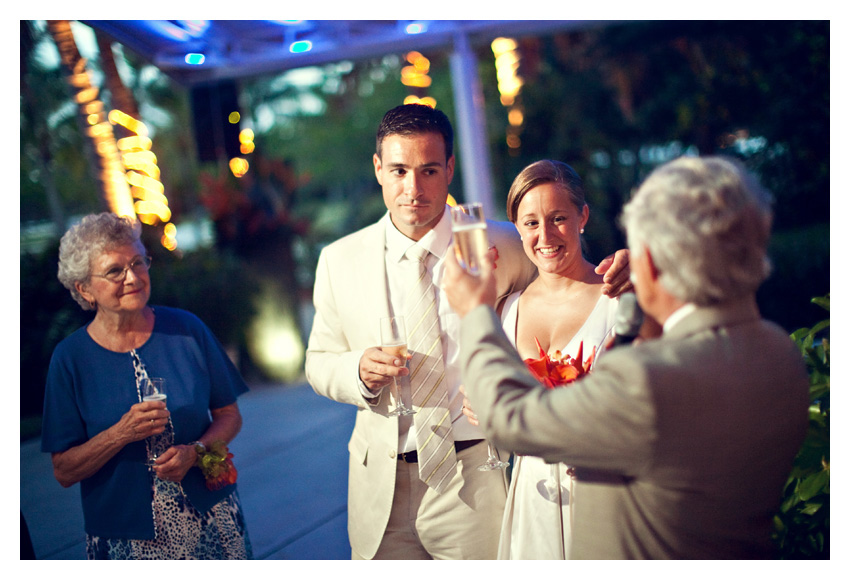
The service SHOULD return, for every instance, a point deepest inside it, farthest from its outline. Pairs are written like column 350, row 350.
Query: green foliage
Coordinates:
column 217, row 288
column 617, row 100
column 802, row 524
column 48, row 315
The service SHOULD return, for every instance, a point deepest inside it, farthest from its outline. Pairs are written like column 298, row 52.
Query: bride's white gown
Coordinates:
column 537, row 522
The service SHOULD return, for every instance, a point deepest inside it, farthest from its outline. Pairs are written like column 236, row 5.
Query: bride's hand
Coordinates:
column 467, row 409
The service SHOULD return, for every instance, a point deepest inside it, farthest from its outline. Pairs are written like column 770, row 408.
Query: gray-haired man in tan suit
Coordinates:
column 681, row 443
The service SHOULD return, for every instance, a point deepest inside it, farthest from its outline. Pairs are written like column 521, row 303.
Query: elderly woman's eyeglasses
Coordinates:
column 116, row 274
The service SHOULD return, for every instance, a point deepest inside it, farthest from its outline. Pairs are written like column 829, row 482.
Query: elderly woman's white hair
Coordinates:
column 706, row 222
column 85, row 241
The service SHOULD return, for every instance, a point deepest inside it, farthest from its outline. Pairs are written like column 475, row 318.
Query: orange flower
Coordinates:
column 217, row 466
column 558, row 370
column 225, row 477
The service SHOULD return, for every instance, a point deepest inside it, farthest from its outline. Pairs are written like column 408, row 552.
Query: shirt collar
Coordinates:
column 436, row 241
column 677, row 316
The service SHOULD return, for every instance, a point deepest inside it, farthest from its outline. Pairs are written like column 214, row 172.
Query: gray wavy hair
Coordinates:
column 706, row 222
column 85, row 241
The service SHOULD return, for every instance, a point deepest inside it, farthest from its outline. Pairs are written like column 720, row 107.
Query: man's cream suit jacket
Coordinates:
column 350, row 295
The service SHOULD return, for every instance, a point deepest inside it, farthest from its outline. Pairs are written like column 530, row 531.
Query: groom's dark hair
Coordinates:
column 415, row 119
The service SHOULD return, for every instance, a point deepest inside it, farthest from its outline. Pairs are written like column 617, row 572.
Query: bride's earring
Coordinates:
column 581, row 231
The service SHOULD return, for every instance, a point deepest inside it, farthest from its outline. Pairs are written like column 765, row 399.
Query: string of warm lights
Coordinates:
column 142, row 174
column 506, row 51
column 115, row 187
column 415, row 75
column 238, row 165
column 128, row 167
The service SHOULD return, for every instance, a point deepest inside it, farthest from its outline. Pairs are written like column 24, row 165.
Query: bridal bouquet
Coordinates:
column 558, row 370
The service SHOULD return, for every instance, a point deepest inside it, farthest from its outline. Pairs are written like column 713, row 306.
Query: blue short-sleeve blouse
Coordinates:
column 89, row 388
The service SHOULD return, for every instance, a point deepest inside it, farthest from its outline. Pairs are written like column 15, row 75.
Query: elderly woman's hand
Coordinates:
column 143, row 420
column 175, row 462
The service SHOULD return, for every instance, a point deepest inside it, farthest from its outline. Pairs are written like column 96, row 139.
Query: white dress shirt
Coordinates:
column 677, row 316
column 438, row 241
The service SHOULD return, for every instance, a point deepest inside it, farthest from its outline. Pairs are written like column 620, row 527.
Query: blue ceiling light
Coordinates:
column 300, row 46
column 195, row 58
column 416, row 28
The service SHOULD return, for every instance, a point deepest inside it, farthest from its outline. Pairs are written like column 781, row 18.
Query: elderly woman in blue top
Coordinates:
column 99, row 431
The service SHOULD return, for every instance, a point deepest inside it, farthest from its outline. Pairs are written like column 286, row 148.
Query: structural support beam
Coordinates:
column 470, row 126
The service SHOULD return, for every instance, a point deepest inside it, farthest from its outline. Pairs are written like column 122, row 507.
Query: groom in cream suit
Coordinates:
column 694, row 432
column 392, row 514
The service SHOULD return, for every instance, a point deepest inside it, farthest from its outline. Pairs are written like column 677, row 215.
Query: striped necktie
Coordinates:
column 432, row 422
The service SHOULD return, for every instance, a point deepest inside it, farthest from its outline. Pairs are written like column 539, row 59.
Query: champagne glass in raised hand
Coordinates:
column 469, row 230
column 394, row 342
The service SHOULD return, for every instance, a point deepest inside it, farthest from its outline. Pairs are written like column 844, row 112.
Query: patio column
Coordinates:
column 470, row 126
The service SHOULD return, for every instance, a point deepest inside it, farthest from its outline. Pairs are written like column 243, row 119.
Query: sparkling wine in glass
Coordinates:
column 469, row 230
column 394, row 342
column 153, row 389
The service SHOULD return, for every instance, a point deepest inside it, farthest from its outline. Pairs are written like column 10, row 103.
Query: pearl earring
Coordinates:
column 581, row 231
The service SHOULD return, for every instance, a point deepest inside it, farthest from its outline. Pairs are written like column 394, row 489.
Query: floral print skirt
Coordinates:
column 182, row 533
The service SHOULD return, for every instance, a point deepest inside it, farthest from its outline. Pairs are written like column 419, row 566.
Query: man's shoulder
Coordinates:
column 503, row 227
column 356, row 239
column 499, row 231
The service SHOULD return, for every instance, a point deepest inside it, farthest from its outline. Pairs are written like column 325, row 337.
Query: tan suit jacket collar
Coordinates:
column 724, row 315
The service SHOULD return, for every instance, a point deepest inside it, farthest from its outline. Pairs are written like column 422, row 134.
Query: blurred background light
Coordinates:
column 238, row 166
column 195, row 28
column 300, row 46
column 416, row 28
column 195, row 58
column 273, row 337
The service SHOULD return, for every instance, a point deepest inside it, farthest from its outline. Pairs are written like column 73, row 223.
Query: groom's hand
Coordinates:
column 377, row 368
column 616, row 274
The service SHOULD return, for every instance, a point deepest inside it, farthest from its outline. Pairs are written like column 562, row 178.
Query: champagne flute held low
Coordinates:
column 394, row 342
column 153, row 389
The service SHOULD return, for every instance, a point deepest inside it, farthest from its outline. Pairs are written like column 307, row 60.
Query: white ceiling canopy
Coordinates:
column 240, row 48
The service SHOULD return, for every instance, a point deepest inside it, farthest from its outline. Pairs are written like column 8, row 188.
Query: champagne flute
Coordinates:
column 469, row 230
column 153, row 389
column 394, row 342
column 492, row 462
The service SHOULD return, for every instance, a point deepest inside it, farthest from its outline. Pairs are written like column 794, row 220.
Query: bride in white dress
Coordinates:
column 562, row 308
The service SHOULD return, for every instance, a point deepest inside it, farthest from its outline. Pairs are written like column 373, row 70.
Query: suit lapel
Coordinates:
column 369, row 268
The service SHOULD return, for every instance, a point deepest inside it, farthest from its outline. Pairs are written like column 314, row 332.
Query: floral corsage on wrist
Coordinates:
column 216, row 463
column 558, row 370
